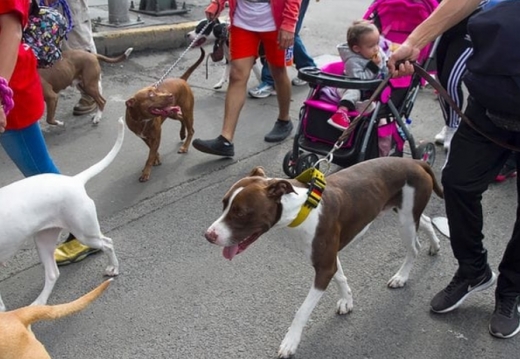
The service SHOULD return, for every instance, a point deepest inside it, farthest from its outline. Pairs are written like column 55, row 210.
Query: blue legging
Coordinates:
column 27, row 149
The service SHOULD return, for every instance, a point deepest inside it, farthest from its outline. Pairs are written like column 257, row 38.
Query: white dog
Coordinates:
column 218, row 33
column 41, row 206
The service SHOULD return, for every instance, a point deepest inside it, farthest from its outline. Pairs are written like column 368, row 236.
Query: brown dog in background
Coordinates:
column 79, row 68
column 17, row 341
column 149, row 107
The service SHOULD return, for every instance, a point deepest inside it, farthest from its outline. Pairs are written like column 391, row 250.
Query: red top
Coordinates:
column 25, row 81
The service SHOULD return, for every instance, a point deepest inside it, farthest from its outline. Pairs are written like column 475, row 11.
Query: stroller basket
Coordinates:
column 380, row 133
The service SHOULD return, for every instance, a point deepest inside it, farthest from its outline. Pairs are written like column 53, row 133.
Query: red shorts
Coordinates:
column 245, row 43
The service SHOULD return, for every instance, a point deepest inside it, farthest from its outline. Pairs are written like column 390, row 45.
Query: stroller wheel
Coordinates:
column 305, row 161
column 289, row 164
column 426, row 152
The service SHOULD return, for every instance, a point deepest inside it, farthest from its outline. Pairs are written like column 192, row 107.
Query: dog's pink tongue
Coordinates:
column 230, row 252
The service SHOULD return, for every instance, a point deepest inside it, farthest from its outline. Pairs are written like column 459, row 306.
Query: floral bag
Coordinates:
column 44, row 33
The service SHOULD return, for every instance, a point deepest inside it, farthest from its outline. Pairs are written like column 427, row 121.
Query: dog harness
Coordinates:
column 317, row 183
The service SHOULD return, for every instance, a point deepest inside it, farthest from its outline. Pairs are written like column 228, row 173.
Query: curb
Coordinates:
column 160, row 37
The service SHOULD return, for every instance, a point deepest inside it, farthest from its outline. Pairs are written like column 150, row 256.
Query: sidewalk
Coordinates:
column 143, row 32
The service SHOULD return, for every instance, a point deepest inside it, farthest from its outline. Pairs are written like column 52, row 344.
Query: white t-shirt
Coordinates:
column 254, row 16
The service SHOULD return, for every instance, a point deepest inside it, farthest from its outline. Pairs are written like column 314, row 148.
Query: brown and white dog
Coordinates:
column 352, row 199
column 17, row 341
column 76, row 68
column 218, row 33
column 149, row 107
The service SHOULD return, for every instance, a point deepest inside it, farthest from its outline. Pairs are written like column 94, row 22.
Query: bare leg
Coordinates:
column 236, row 94
column 283, row 90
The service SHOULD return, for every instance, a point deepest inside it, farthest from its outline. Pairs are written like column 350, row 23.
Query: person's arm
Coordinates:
column 289, row 20
column 446, row 15
column 10, row 38
column 214, row 9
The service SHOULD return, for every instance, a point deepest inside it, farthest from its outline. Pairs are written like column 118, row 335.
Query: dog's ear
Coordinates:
column 278, row 188
column 257, row 171
column 130, row 102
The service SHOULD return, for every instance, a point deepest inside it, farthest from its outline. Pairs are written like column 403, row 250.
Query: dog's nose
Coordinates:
column 211, row 236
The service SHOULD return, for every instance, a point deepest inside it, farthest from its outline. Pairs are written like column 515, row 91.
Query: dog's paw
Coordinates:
column 434, row 249
column 112, row 271
column 344, row 306
column 288, row 347
column 182, row 150
column 397, row 281
column 218, row 86
column 96, row 119
column 144, row 178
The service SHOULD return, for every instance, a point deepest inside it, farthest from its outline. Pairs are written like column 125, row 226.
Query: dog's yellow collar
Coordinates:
column 317, row 183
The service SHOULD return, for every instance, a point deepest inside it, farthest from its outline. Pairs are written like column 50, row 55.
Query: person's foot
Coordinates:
column 280, row 131
column 444, row 137
column 219, row 146
column 72, row 251
column 263, row 90
column 439, row 138
column 459, row 289
column 505, row 173
column 450, row 131
column 505, row 321
column 340, row 119
column 84, row 106
column 298, row 82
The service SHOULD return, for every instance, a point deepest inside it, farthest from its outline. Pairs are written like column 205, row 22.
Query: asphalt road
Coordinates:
column 177, row 297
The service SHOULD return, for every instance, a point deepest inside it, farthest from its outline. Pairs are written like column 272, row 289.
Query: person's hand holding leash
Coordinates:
column 213, row 10
column 404, row 54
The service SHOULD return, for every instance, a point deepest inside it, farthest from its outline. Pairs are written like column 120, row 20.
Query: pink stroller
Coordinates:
column 383, row 132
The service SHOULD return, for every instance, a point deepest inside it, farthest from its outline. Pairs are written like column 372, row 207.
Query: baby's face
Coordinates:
column 368, row 45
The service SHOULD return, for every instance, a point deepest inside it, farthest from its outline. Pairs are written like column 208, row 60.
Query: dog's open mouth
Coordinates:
column 231, row 251
column 200, row 41
column 166, row 111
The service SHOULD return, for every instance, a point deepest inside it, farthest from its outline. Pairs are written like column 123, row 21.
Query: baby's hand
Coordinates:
column 376, row 58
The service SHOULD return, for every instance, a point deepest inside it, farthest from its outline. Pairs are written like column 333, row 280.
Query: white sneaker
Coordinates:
column 263, row 90
column 439, row 138
column 360, row 106
column 298, row 82
column 450, row 131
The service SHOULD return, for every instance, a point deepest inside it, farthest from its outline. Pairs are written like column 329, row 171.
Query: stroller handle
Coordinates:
column 316, row 76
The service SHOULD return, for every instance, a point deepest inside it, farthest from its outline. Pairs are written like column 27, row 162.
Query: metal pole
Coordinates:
column 118, row 12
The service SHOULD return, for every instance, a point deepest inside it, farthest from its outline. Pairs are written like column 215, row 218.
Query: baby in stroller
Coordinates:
column 364, row 59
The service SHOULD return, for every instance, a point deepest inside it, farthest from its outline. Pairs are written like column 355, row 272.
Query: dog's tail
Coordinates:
column 194, row 66
column 436, row 188
column 36, row 313
column 113, row 60
column 101, row 165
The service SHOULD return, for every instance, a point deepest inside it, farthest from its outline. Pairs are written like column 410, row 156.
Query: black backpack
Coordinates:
column 493, row 76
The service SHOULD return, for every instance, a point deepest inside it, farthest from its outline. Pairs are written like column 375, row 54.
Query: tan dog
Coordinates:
column 79, row 68
column 149, row 107
column 17, row 341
